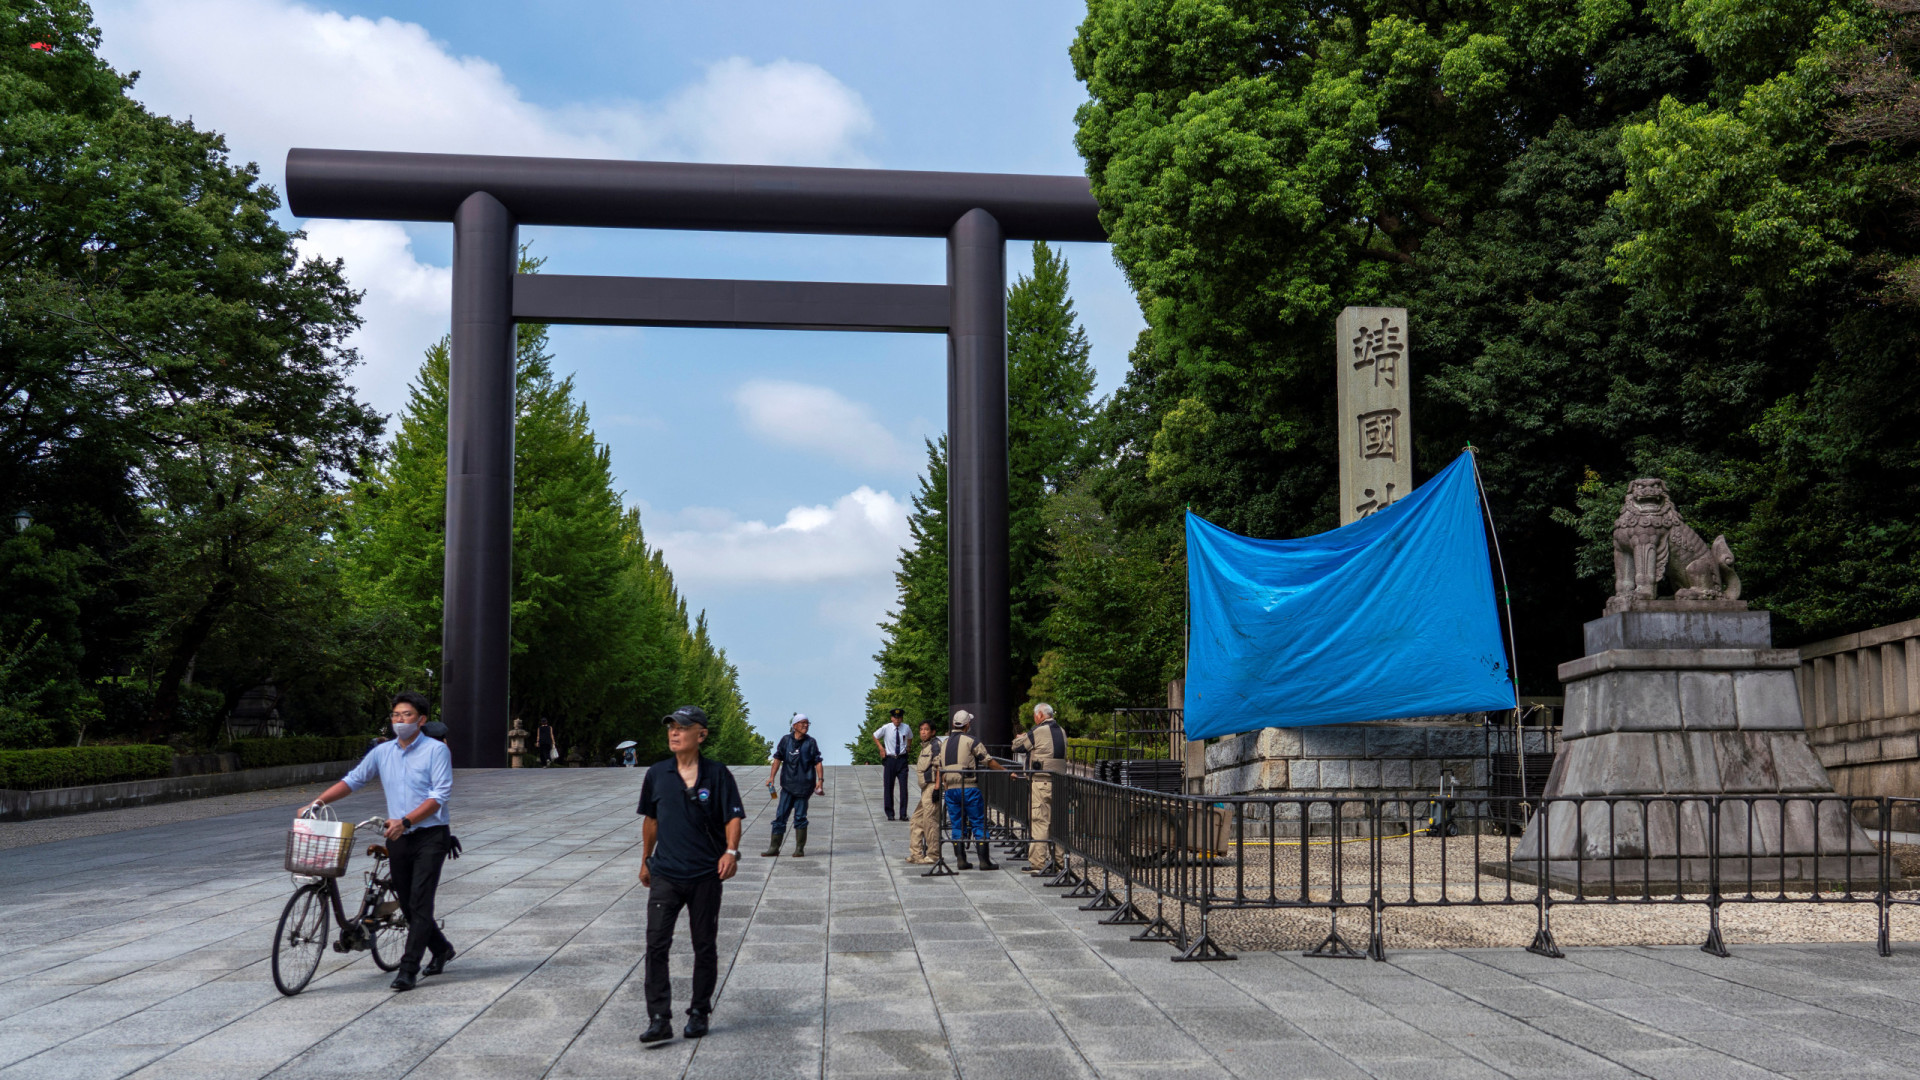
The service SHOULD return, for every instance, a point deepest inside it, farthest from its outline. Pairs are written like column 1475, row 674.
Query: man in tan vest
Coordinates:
column 923, row 834
column 1045, row 745
column 960, row 757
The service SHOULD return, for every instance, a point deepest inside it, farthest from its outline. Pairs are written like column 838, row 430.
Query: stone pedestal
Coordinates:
column 1681, row 701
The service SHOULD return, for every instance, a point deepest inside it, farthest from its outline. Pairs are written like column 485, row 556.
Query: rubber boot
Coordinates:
column 799, row 843
column 961, row 863
column 986, row 857
column 773, row 846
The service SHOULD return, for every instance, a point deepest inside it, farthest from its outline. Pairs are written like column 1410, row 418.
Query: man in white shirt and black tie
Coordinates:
column 894, row 739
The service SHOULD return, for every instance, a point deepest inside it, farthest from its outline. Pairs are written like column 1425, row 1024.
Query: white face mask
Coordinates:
column 405, row 732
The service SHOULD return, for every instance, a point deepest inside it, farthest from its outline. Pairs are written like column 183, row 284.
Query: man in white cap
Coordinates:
column 960, row 756
column 801, row 773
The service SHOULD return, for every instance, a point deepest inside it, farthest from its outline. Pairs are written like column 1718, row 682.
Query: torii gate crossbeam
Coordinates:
column 488, row 198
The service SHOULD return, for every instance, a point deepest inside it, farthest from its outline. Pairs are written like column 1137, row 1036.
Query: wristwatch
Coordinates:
column 735, row 852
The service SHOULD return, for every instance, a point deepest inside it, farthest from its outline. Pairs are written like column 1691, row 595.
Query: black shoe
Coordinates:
column 437, row 964
column 661, row 1028
column 403, row 980
column 696, row 1024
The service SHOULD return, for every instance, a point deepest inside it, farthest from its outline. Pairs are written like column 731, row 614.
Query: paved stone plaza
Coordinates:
column 143, row 953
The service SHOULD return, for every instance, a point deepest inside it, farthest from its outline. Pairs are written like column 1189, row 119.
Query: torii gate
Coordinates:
column 488, row 198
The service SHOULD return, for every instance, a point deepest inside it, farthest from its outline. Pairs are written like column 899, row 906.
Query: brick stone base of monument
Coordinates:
column 1679, row 701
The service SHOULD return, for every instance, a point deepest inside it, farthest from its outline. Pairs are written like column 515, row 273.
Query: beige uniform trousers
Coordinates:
column 923, row 830
column 1040, row 819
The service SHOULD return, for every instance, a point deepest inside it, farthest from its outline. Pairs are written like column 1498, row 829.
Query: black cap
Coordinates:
column 686, row 714
column 896, row 712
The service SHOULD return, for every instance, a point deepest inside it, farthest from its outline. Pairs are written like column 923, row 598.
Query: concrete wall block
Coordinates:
column 1628, row 764
column 1706, row 700
column 1794, row 766
column 1396, row 741
column 1273, row 775
column 1767, row 701
column 1900, row 747
column 1366, row 774
column 1746, row 763
column 1396, row 773
column 1335, row 773
column 1279, row 742
column 1456, row 742
column 1334, row 741
column 1681, row 771
column 1643, row 700
column 1426, row 774
column 1303, row 774
column 1230, row 751
column 1577, row 719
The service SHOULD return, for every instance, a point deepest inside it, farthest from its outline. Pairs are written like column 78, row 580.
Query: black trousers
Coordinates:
column 415, row 861
column 701, row 898
column 894, row 774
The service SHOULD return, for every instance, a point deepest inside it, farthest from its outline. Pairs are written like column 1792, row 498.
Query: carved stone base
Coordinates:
column 1677, row 705
column 1617, row 604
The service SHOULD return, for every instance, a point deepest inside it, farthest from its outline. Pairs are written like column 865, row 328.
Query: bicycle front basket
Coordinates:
column 319, row 848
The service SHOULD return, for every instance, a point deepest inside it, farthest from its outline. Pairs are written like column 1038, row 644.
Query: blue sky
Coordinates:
column 775, row 469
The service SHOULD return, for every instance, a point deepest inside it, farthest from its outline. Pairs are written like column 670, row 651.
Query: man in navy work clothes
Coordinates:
column 689, row 844
column 802, row 774
column 416, row 774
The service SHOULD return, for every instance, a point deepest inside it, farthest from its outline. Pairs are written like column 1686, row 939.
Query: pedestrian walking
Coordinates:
column 543, row 745
column 689, row 844
column 416, row 776
column 923, row 835
column 960, row 757
column 797, row 773
column 1045, row 745
column 894, row 739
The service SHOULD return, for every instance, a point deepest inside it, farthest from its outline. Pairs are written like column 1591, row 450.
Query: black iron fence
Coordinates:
column 1168, row 862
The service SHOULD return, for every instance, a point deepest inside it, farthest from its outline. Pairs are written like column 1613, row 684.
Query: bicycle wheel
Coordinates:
column 387, row 930
column 300, row 938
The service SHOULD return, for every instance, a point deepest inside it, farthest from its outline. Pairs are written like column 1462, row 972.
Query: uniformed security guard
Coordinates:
column 960, row 754
column 923, row 834
column 1045, row 745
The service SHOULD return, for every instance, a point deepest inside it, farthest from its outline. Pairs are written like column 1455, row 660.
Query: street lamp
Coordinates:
column 22, row 520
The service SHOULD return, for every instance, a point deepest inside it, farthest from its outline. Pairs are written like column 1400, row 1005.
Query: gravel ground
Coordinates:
column 1416, row 869
column 15, row 834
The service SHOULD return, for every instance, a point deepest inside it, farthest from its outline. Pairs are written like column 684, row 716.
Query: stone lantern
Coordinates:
column 516, row 745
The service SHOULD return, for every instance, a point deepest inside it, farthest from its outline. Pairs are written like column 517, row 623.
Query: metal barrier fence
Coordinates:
column 1189, row 857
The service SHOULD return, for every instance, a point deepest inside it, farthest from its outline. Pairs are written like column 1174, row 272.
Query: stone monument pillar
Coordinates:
column 1681, row 699
column 1376, row 438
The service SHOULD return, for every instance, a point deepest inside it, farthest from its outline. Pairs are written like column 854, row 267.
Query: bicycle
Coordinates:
column 317, row 857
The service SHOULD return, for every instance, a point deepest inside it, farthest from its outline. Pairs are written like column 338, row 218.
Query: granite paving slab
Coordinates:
column 142, row 952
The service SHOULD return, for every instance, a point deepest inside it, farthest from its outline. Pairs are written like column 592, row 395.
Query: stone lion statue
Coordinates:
column 1651, row 544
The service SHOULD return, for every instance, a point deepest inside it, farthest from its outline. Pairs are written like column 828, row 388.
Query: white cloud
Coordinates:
column 406, row 307
column 818, row 419
column 271, row 74
column 859, row 536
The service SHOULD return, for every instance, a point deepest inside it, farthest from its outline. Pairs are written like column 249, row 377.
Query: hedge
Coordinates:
column 76, row 765
column 298, row 750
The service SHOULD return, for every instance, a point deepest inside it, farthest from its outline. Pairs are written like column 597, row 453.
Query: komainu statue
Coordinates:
column 1652, row 544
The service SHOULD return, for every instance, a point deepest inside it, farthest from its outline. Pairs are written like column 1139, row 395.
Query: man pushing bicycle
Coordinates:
column 416, row 774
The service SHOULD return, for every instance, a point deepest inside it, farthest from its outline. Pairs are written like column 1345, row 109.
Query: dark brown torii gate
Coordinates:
column 488, row 198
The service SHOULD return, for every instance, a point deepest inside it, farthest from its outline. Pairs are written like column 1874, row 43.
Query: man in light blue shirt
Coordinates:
column 416, row 774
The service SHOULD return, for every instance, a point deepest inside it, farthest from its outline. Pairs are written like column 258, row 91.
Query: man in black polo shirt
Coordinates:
column 690, row 843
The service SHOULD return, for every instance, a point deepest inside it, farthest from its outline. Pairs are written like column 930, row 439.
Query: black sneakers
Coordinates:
column 661, row 1028
column 696, row 1023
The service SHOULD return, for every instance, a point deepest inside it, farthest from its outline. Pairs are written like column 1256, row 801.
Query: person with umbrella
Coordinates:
column 629, row 757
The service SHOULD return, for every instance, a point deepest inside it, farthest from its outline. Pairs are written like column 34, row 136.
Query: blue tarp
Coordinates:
column 1390, row 616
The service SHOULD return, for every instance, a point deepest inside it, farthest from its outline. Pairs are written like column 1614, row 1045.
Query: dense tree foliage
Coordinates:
column 1671, row 238
column 210, row 507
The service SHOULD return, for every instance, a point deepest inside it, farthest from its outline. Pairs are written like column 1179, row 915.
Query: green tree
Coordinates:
column 913, row 654
column 167, row 365
column 1628, row 238
column 1049, row 405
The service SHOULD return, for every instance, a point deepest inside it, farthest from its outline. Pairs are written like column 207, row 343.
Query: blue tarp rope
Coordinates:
column 1390, row 616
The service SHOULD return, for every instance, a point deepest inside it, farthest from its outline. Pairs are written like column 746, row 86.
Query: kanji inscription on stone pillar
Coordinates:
column 1376, row 440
